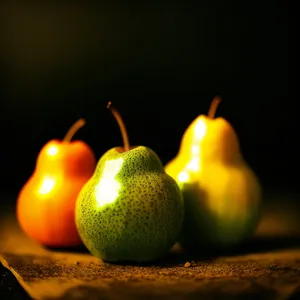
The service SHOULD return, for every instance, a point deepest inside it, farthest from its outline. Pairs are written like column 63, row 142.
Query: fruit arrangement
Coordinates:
column 130, row 207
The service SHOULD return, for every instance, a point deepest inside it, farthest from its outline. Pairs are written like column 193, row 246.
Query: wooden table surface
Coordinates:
column 267, row 267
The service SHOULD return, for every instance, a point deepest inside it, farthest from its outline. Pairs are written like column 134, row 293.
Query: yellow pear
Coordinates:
column 221, row 192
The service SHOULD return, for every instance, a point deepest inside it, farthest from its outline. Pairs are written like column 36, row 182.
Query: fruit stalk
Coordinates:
column 213, row 107
column 121, row 124
column 73, row 129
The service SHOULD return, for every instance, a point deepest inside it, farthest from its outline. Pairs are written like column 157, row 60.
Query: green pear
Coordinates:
column 130, row 209
column 221, row 192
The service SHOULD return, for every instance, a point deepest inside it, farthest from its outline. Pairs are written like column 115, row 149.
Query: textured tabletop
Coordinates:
column 268, row 267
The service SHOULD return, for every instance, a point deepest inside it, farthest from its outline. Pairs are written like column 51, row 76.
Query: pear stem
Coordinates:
column 121, row 124
column 213, row 107
column 73, row 129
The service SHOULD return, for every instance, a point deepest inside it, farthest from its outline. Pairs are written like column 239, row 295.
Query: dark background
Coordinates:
column 161, row 64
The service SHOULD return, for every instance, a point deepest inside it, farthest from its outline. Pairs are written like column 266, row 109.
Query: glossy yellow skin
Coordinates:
column 222, row 194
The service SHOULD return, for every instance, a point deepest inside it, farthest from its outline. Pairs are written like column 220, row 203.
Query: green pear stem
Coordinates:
column 73, row 129
column 213, row 107
column 121, row 124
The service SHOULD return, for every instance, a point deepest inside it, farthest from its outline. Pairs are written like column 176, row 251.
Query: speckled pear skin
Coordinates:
column 144, row 219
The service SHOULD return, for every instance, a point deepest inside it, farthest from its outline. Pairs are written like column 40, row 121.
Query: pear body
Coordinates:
column 221, row 192
column 130, row 210
column 46, row 203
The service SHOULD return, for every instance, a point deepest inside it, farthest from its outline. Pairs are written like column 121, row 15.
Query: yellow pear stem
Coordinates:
column 121, row 124
column 73, row 129
column 213, row 107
